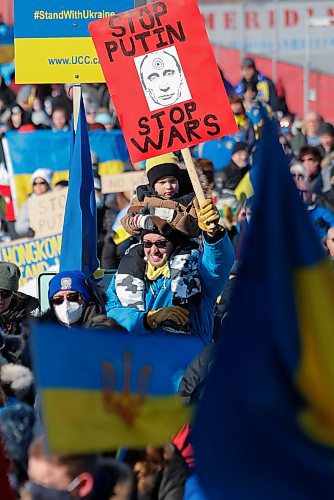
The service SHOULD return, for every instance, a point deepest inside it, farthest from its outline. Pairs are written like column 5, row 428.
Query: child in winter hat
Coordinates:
column 162, row 207
column 163, row 203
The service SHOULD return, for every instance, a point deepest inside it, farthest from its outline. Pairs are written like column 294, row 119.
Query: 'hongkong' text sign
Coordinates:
column 163, row 77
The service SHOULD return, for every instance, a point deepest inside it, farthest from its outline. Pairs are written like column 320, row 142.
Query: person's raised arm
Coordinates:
column 218, row 255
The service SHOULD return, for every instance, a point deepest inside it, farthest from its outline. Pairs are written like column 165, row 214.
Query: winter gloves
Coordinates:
column 178, row 314
column 208, row 216
column 143, row 221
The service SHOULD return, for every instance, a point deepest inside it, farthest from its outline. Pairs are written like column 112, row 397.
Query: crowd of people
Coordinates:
column 175, row 267
column 222, row 163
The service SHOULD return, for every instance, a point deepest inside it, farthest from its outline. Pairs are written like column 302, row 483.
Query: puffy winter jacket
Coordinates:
column 214, row 266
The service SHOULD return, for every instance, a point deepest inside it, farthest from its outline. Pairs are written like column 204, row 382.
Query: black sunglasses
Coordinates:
column 72, row 297
column 5, row 294
column 158, row 243
column 39, row 183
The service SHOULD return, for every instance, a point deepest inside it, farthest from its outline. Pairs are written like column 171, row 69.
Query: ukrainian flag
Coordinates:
column 29, row 151
column 49, row 149
column 103, row 390
column 6, row 43
column 80, row 221
column 265, row 427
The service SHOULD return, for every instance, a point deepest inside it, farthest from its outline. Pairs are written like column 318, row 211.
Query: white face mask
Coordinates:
column 69, row 312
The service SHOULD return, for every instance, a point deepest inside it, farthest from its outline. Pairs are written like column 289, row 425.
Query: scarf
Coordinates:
column 182, row 270
column 153, row 273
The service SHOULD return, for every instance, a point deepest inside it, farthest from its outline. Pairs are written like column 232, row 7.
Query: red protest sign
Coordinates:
column 162, row 75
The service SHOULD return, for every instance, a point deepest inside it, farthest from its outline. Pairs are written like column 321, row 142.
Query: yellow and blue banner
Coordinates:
column 265, row 427
column 6, row 43
column 52, row 42
column 48, row 149
column 103, row 390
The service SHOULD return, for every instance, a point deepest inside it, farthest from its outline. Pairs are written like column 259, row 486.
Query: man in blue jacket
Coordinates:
column 177, row 288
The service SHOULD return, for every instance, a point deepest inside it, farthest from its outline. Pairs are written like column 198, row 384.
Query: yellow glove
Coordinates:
column 208, row 216
column 178, row 314
column 98, row 274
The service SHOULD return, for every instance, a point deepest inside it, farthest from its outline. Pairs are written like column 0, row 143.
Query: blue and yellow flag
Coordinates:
column 6, row 43
column 265, row 427
column 79, row 240
column 102, row 390
column 51, row 149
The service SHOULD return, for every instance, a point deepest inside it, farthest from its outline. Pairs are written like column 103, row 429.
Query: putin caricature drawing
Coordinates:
column 162, row 78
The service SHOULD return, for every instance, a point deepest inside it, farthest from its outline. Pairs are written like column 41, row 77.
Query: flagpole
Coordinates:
column 76, row 104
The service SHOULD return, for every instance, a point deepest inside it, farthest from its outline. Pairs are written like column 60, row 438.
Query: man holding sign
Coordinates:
column 163, row 106
column 158, row 300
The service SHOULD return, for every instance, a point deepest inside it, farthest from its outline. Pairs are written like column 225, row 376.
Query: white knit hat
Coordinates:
column 297, row 168
column 43, row 173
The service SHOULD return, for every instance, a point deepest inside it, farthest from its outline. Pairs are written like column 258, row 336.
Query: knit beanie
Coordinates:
column 248, row 62
column 239, row 146
column 160, row 166
column 9, row 276
column 69, row 280
column 43, row 173
column 326, row 128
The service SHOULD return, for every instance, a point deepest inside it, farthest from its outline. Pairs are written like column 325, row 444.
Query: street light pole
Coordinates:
column 307, row 64
column 311, row 22
column 275, row 55
column 242, row 30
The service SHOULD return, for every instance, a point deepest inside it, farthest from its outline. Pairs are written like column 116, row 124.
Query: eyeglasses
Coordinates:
column 39, row 183
column 158, row 243
column 5, row 294
column 72, row 297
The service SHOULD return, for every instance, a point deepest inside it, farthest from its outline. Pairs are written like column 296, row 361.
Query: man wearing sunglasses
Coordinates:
column 150, row 303
column 73, row 300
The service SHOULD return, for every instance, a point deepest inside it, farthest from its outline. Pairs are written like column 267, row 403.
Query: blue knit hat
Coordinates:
column 70, row 280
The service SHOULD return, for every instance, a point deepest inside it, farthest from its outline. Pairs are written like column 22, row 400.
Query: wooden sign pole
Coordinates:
column 196, row 183
column 198, row 190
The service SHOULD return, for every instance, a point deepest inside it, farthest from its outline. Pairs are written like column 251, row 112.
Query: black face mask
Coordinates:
column 39, row 492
